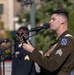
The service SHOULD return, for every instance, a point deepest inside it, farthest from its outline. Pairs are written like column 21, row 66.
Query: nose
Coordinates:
column 50, row 22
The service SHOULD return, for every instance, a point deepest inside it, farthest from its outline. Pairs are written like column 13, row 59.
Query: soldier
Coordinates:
column 60, row 60
column 21, row 63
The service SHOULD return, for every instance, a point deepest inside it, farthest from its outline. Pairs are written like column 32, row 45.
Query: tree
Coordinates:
column 71, row 22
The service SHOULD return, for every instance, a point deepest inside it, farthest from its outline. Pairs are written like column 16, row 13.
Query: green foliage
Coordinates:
column 44, row 39
column 9, row 35
column 71, row 22
column 20, row 20
column 8, row 51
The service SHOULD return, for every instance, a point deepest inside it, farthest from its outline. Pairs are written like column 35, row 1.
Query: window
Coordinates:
column 1, row 8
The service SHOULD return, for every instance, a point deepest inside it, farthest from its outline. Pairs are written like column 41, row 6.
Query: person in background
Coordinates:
column 59, row 60
column 21, row 63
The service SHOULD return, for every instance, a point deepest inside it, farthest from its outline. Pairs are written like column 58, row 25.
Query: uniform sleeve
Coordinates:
column 58, row 57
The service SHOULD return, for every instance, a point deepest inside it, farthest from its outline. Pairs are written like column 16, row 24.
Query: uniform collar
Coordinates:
column 63, row 34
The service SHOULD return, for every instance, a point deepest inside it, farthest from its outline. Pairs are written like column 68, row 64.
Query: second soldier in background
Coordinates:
column 21, row 63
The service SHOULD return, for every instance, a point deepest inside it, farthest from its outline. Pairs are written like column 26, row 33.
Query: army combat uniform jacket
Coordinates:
column 21, row 63
column 61, row 59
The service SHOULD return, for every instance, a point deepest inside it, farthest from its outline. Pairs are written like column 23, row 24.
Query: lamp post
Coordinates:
column 32, row 20
column 32, row 17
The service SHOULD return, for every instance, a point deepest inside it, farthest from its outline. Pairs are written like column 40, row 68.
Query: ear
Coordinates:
column 62, row 21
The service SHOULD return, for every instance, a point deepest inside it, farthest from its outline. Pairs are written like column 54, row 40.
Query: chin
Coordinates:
column 51, row 28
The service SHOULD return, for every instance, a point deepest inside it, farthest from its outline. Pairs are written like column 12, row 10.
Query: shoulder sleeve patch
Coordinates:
column 64, row 41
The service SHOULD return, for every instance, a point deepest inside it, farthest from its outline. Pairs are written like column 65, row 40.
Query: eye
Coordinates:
column 53, row 19
column 17, row 33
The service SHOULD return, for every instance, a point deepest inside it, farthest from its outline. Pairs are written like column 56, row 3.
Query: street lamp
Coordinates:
column 32, row 17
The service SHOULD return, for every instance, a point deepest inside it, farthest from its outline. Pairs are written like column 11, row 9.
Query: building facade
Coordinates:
column 9, row 14
column 8, row 11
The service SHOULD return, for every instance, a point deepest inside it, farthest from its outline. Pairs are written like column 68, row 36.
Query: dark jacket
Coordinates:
column 21, row 63
column 61, row 59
